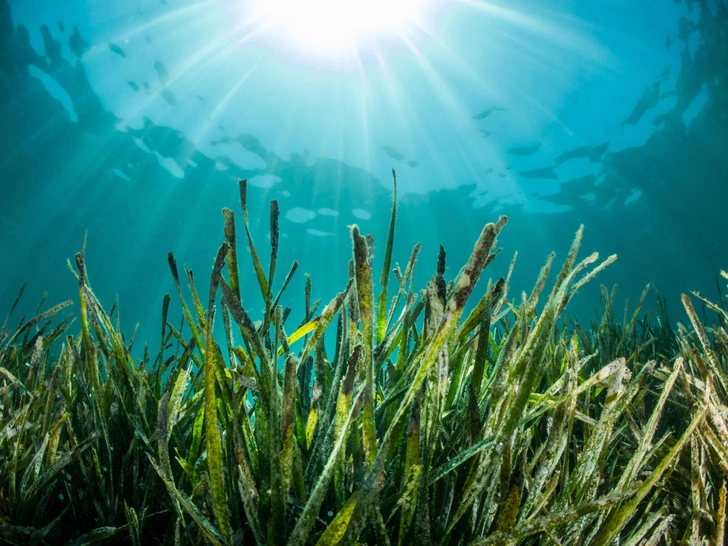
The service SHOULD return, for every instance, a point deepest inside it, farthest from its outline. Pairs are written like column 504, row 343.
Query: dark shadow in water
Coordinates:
column 61, row 178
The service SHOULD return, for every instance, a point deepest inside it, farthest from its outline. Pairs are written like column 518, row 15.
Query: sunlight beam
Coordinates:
column 336, row 27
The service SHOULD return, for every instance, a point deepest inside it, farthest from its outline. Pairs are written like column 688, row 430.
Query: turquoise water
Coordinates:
column 132, row 122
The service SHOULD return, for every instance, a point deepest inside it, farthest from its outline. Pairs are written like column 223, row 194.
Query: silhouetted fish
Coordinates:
column 522, row 152
column 485, row 133
column 77, row 44
column 669, row 42
column 61, row 26
column 394, row 154
column 543, row 172
column 592, row 153
column 134, row 86
column 484, row 114
column 413, row 164
column 162, row 73
column 146, row 86
column 488, row 112
column 650, row 98
column 168, row 96
column 116, row 49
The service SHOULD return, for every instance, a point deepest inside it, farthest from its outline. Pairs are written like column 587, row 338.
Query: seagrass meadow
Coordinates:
column 451, row 413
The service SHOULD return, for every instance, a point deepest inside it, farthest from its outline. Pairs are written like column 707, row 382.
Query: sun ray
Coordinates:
column 334, row 28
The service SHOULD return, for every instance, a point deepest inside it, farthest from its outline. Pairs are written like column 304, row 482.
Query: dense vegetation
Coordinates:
column 425, row 417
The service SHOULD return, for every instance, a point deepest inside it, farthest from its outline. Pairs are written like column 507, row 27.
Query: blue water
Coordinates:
column 132, row 122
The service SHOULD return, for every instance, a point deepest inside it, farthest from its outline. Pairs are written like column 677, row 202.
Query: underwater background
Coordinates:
column 132, row 121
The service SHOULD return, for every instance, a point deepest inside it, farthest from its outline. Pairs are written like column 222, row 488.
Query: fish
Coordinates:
column 649, row 99
column 485, row 133
column 592, row 153
column 76, row 44
column 413, row 164
column 394, row 154
column 116, row 49
column 61, row 26
column 546, row 173
column 484, row 114
column 668, row 42
column 526, row 151
column 168, row 96
column 162, row 73
column 133, row 85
